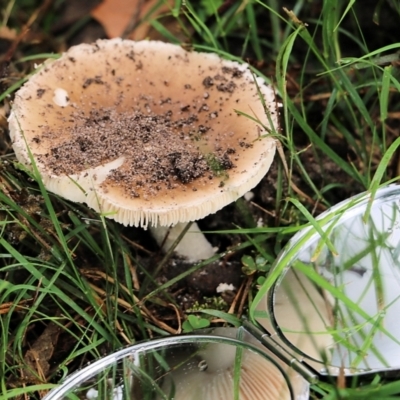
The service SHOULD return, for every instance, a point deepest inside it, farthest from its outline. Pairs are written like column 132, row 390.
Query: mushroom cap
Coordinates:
column 260, row 379
column 145, row 132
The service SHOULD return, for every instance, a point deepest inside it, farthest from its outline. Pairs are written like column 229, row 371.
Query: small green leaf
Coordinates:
column 248, row 261
column 198, row 322
column 260, row 280
column 186, row 327
column 193, row 322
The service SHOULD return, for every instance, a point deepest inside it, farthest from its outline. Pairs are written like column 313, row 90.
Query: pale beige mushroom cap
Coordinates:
column 260, row 379
column 150, row 78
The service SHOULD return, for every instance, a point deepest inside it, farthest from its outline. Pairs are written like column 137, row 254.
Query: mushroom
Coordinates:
column 211, row 375
column 146, row 133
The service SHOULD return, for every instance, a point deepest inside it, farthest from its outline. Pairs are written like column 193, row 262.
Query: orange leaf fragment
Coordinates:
column 116, row 15
column 7, row 33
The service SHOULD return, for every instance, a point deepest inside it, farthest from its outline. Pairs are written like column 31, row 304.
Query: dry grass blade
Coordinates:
column 123, row 303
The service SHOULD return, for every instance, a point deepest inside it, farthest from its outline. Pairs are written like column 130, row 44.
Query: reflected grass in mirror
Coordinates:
column 341, row 311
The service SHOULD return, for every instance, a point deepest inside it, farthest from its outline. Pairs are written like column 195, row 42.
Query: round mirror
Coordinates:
column 337, row 302
column 218, row 365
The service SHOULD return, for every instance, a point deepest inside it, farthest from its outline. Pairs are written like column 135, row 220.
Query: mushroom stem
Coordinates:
column 194, row 246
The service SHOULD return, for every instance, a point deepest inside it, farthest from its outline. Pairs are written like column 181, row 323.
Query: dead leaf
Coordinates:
column 38, row 356
column 119, row 17
column 7, row 33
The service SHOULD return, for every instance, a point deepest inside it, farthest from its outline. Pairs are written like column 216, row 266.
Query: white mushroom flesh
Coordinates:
column 194, row 246
column 60, row 97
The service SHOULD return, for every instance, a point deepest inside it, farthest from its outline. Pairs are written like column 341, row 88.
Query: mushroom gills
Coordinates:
column 210, row 375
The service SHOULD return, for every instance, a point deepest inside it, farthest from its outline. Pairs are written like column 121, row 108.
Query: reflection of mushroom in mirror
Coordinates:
column 211, row 375
column 145, row 132
column 304, row 314
column 299, row 315
column 366, row 318
column 336, row 304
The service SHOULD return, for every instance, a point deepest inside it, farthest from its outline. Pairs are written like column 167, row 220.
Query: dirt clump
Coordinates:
column 159, row 152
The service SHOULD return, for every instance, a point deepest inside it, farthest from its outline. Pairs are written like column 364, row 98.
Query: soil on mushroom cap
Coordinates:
column 159, row 153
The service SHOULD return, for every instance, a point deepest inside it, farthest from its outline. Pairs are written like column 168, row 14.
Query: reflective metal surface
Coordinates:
column 337, row 302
